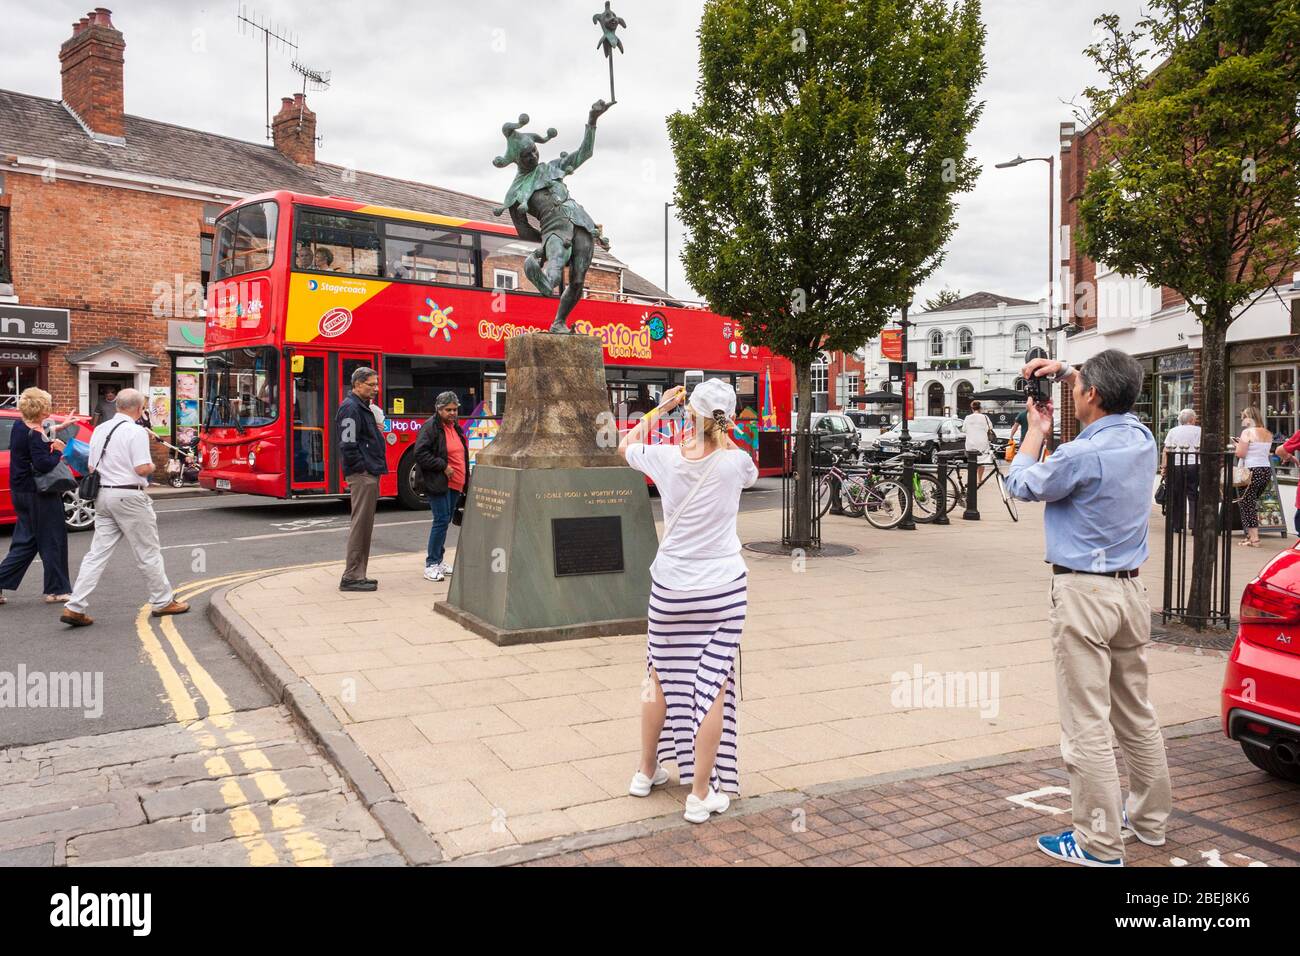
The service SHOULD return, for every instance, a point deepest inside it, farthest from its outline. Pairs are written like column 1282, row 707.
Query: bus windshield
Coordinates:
column 242, row 388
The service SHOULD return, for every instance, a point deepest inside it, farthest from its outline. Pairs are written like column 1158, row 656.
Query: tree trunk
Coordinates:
column 801, row 536
column 1209, row 523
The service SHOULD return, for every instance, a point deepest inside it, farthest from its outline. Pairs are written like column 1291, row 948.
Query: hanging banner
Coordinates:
column 891, row 344
column 160, row 410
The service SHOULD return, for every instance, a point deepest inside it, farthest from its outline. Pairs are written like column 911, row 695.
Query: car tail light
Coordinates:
column 1265, row 604
column 1268, row 616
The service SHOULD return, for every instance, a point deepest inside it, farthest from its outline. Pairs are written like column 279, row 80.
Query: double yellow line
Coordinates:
column 217, row 729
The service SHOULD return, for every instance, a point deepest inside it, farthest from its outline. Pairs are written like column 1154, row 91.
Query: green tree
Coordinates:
column 817, row 171
column 944, row 296
column 1195, row 183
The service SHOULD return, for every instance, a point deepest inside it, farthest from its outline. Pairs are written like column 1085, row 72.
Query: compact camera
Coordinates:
column 1037, row 390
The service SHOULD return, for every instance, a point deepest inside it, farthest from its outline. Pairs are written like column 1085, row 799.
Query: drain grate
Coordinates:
column 1183, row 636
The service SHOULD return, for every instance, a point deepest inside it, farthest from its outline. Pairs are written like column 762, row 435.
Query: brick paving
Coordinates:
column 1226, row 813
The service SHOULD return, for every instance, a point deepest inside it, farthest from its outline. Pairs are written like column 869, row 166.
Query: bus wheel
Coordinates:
column 410, row 484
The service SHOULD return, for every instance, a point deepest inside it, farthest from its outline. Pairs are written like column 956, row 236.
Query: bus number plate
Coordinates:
column 223, row 484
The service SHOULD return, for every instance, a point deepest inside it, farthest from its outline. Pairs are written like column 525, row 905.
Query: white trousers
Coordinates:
column 123, row 514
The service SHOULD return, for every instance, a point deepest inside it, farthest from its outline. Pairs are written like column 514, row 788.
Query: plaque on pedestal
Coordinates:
column 558, row 535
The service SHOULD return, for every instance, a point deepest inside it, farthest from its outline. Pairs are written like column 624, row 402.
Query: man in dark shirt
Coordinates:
column 361, row 446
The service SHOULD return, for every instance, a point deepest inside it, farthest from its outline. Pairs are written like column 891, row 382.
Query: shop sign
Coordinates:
column 184, row 336
column 27, row 325
column 1175, row 362
column 20, row 356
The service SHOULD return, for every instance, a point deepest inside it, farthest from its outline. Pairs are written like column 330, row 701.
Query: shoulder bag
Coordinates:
column 88, row 487
column 671, row 520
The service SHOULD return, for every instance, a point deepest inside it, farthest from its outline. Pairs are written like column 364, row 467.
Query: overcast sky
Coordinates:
column 420, row 89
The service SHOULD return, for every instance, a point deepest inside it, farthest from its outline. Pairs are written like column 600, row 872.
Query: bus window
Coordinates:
column 337, row 243
column 428, row 254
column 417, row 381
column 242, row 388
column 245, row 240
column 494, row 394
column 746, row 392
column 501, row 263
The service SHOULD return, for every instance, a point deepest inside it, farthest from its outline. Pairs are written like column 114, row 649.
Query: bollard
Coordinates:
column 908, row 523
column 941, row 501
column 972, row 512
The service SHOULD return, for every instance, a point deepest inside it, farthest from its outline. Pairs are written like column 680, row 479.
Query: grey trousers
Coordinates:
column 365, row 496
column 123, row 514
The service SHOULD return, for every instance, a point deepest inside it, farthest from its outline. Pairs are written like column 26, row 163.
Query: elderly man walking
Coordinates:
column 365, row 461
column 119, row 454
column 1098, row 494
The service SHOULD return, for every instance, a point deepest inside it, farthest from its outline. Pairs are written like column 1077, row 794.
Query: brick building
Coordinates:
column 1154, row 325
column 106, row 224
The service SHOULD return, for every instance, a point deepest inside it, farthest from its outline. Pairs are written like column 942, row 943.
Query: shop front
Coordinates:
column 1168, row 386
column 182, row 396
column 1266, row 374
column 26, row 337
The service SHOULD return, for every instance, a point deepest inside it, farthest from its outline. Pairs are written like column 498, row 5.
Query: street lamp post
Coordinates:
column 1052, row 327
column 667, row 206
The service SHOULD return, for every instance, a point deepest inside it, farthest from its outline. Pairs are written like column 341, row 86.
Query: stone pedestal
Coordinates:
column 558, row 534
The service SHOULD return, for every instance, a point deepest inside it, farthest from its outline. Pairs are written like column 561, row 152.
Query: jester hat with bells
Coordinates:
column 517, row 141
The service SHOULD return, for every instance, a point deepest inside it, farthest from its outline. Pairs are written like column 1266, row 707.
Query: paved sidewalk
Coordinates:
column 1226, row 813
column 241, row 789
column 493, row 747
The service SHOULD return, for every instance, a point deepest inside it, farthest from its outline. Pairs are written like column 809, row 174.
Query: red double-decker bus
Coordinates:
column 307, row 288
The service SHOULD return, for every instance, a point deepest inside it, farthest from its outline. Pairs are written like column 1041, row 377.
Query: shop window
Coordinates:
column 1274, row 392
column 246, row 239
column 504, row 256
column 428, row 254
column 333, row 242
column 413, row 383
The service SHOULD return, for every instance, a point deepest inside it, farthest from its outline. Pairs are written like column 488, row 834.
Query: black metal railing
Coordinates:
column 1181, row 501
column 800, row 448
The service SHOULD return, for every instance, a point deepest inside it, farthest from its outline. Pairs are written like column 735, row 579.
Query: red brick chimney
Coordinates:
column 294, row 130
column 91, row 64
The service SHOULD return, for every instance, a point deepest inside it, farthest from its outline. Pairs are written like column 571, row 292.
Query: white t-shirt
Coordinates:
column 128, row 450
column 702, row 550
column 977, row 426
column 1185, row 436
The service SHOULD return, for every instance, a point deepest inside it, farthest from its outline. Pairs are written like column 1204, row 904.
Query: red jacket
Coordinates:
column 1291, row 445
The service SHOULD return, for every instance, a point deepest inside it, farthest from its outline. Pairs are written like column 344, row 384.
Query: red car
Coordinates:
column 79, row 514
column 1261, row 687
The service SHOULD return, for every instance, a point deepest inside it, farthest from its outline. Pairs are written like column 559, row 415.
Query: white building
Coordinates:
column 972, row 345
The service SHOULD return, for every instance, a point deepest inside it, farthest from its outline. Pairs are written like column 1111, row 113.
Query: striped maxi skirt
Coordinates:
column 693, row 640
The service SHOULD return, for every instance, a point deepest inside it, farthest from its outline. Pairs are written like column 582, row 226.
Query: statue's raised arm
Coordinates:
column 571, row 161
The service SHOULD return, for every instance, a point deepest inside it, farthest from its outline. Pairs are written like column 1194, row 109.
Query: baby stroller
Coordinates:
column 182, row 465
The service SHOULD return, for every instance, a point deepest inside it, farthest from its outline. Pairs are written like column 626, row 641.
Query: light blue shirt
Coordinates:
column 1098, row 494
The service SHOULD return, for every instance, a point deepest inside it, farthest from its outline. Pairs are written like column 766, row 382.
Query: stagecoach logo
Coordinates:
column 335, row 322
column 312, row 285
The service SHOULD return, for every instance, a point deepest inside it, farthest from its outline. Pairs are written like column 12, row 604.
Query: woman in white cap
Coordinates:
column 697, row 600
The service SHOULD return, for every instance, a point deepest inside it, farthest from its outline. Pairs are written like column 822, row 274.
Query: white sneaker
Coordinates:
column 1126, row 830
column 433, row 572
column 641, row 785
column 697, row 810
column 446, row 569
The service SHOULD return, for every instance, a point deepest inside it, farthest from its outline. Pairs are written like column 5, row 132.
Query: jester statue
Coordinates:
column 566, row 233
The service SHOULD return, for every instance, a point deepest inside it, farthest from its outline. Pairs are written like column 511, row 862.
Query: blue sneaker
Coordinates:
column 1127, row 831
column 1062, row 847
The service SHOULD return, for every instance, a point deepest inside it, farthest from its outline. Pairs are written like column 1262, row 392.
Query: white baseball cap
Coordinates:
column 713, row 395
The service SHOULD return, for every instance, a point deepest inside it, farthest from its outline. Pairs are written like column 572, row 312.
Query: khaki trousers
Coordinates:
column 123, row 514
column 1100, row 629
column 364, row 490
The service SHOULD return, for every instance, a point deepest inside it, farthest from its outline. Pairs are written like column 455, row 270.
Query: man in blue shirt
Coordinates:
column 1098, row 494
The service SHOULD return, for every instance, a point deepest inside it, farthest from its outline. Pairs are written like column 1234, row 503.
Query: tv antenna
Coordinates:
column 250, row 24
column 314, row 79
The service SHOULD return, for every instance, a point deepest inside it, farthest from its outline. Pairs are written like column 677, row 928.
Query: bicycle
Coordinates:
column 882, row 501
column 925, row 488
column 998, row 452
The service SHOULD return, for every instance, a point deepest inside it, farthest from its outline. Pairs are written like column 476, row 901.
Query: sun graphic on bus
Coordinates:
column 658, row 327
column 439, row 319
